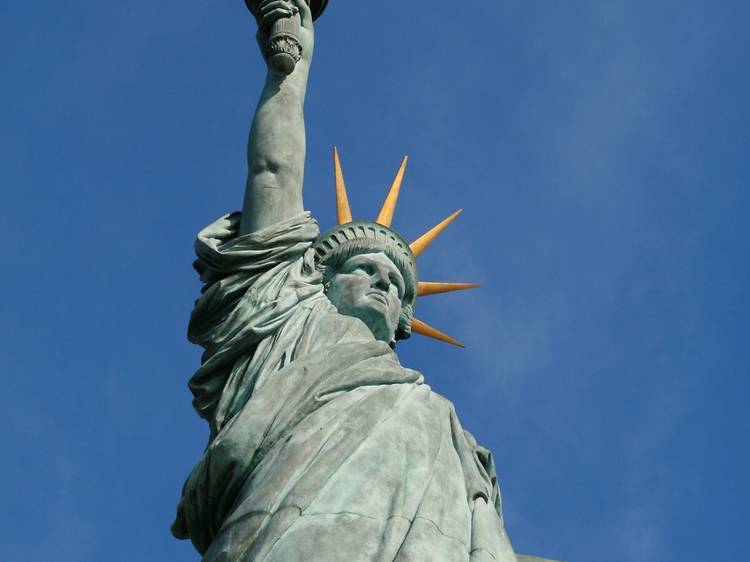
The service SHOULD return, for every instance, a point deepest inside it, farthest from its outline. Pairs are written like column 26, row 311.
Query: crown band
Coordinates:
column 370, row 237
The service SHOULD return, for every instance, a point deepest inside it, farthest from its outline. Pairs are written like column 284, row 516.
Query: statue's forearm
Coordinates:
column 276, row 152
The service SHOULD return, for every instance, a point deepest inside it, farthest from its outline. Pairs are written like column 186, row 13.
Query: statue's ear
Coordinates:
column 403, row 330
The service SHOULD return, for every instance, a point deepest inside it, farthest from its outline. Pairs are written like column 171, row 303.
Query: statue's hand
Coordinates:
column 270, row 11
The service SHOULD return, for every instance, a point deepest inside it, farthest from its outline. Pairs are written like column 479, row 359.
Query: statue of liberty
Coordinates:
column 322, row 447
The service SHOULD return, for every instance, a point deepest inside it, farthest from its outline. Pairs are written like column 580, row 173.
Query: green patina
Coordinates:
column 323, row 447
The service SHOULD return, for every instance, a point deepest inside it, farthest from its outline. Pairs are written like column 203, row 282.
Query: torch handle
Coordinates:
column 283, row 49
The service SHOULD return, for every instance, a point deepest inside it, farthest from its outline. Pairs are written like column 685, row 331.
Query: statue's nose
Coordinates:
column 382, row 281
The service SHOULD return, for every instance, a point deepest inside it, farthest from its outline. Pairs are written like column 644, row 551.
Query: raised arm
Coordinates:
column 276, row 147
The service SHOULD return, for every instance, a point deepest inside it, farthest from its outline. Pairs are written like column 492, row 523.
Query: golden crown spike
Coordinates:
column 343, row 212
column 424, row 241
column 388, row 237
column 385, row 217
column 419, row 327
column 426, row 288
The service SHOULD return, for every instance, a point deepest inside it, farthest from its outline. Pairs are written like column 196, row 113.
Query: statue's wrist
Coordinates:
column 294, row 84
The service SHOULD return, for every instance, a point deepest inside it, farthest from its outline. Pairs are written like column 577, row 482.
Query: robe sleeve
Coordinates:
column 251, row 285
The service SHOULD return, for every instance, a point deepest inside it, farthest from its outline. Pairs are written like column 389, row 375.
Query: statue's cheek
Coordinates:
column 354, row 289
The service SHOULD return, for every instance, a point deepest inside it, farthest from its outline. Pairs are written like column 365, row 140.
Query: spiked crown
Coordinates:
column 379, row 236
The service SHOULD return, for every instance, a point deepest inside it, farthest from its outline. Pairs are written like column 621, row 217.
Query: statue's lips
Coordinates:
column 378, row 296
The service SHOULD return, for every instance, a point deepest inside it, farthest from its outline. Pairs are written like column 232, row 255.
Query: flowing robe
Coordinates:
column 323, row 447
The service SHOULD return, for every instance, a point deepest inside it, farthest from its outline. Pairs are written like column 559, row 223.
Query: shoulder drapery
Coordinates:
column 253, row 284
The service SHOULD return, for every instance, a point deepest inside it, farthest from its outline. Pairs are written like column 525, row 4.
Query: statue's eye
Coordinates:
column 364, row 268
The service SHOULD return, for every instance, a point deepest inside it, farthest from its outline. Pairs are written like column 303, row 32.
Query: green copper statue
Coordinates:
column 322, row 447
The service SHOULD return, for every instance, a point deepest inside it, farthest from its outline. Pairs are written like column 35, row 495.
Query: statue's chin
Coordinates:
column 374, row 319
column 377, row 327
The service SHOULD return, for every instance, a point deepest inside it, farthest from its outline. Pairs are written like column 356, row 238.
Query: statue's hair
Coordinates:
column 334, row 261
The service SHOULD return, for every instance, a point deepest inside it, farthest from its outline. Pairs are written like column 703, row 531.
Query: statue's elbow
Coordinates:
column 263, row 166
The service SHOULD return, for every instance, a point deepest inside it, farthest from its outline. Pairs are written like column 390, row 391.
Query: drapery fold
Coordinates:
column 323, row 446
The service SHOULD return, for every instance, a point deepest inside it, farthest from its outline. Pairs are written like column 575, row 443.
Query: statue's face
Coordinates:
column 369, row 287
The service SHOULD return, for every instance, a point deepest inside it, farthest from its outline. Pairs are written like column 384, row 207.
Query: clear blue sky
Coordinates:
column 599, row 150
